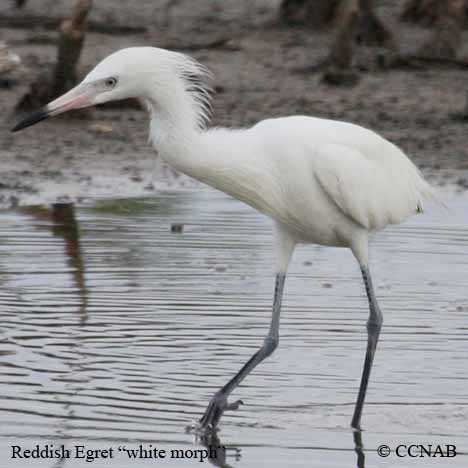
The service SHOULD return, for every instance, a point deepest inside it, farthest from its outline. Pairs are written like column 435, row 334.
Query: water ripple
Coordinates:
column 115, row 328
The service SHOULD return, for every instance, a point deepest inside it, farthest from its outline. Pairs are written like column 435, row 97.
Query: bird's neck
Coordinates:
column 180, row 147
column 176, row 135
column 220, row 158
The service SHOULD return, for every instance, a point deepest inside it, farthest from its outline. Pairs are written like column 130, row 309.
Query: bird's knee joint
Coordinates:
column 374, row 324
column 270, row 344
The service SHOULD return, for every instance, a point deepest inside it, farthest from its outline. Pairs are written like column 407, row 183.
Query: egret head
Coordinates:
column 157, row 76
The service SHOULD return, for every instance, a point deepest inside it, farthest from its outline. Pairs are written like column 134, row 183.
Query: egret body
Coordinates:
column 321, row 181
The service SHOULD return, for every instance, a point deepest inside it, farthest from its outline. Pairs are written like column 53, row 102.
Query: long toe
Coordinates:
column 235, row 405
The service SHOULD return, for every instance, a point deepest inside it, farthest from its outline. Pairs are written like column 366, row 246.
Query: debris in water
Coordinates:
column 177, row 228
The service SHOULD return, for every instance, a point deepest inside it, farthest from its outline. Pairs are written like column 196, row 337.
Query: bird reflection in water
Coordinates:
column 65, row 226
column 213, row 444
column 359, row 449
column 211, row 440
column 62, row 223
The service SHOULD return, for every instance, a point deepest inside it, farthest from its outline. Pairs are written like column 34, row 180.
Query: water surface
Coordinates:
column 116, row 332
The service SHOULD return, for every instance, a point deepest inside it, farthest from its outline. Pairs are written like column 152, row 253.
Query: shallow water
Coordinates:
column 116, row 332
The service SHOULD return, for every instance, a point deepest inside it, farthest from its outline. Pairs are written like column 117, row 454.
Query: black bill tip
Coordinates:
column 31, row 119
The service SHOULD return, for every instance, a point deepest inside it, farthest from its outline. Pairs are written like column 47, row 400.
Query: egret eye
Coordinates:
column 111, row 82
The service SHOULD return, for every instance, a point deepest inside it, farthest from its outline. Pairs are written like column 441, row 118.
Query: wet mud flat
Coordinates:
column 255, row 67
column 116, row 331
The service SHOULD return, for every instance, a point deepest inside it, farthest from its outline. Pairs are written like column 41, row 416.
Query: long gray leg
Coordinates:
column 219, row 403
column 374, row 324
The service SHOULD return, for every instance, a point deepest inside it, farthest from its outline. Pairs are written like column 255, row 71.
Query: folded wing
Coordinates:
column 372, row 191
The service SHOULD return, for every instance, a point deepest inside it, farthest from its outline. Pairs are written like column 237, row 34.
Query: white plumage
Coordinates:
column 324, row 181
column 321, row 181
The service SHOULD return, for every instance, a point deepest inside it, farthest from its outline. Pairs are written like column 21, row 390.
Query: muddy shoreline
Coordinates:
column 106, row 154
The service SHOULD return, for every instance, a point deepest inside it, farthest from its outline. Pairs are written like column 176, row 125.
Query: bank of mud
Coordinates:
column 254, row 62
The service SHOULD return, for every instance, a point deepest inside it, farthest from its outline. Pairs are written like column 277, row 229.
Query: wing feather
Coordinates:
column 373, row 192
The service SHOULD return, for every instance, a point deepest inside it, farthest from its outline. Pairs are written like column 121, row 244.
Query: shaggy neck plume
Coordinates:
column 179, row 114
column 218, row 157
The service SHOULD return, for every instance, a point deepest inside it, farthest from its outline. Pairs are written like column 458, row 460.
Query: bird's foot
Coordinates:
column 215, row 409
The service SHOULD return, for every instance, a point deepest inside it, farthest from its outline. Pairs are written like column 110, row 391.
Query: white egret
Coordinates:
column 321, row 181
